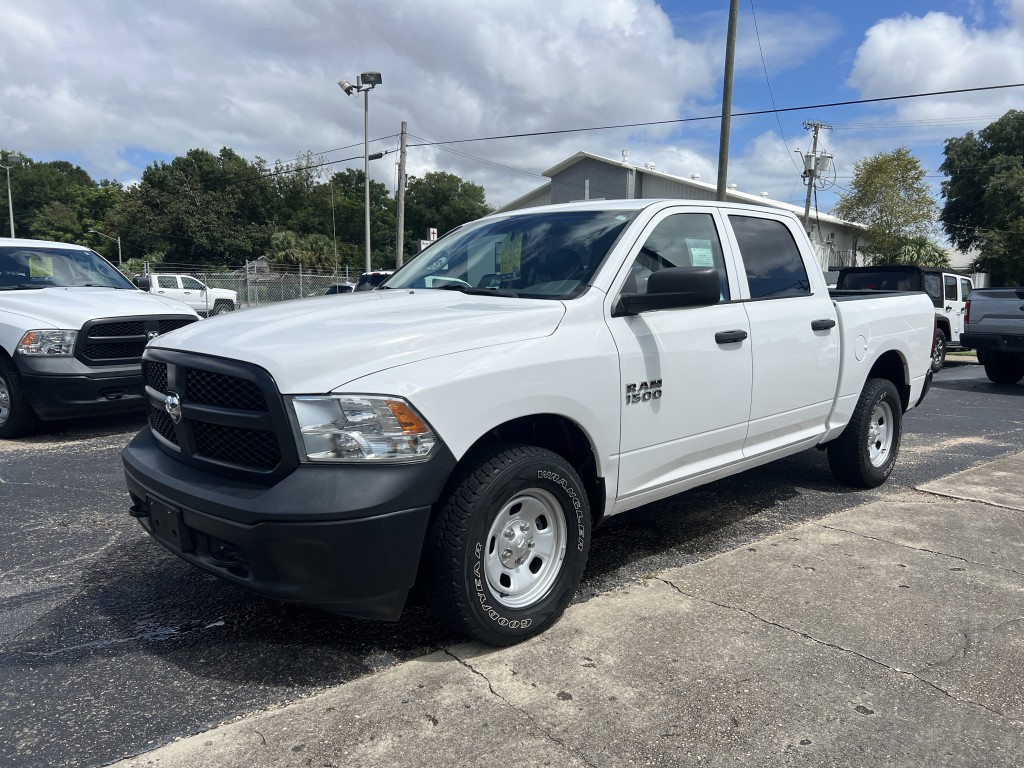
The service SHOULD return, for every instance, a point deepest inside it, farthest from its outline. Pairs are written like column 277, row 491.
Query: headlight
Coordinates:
column 48, row 343
column 360, row 428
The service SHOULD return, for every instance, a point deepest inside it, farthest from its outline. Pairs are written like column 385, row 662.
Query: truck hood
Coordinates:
column 71, row 307
column 317, row 345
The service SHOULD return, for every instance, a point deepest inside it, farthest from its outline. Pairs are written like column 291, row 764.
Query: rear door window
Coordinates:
column 770, row 255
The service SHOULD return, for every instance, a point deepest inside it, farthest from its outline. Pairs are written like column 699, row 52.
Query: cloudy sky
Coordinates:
column 114, row 86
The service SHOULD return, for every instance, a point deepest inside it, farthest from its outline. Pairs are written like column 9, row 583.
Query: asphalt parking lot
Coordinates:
column 110, row 648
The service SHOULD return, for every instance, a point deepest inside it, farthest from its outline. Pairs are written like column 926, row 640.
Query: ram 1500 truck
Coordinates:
column 72, row 331
column 994, row 326
column 467, row 423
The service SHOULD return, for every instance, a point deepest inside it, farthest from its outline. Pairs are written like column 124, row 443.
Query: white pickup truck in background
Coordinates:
column 188, row 290
column 467, row 423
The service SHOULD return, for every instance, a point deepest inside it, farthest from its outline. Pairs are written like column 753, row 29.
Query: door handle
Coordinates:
column 729, row 337
column 823, row 325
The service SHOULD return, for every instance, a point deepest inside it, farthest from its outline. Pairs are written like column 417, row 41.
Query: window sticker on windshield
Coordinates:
column 512, row 254
column 40, row 266
column 701, row 254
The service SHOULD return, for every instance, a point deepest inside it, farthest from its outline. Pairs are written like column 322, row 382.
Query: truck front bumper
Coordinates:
column 344, row 538
column 63, row 388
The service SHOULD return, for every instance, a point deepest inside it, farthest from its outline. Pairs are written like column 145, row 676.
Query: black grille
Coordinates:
column 155, row 375
column 127, row 328
column 162, row 424
column 233, row 422
column 166, row 326
column 121, row 341
column 237, row 445
column 113, row 350
column 223, row 391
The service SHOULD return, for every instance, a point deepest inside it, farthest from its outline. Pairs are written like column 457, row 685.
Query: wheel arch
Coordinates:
column 557, row 434
column 942, row 323
column 893, row 366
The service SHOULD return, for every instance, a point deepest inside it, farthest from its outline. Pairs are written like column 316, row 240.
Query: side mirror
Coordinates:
column 141, row 282
column 672, row 288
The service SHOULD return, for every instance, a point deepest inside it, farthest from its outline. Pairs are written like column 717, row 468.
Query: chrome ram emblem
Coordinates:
column 172, row 404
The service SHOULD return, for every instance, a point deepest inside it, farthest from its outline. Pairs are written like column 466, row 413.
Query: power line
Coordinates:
column 771, row 95
column 752, row 113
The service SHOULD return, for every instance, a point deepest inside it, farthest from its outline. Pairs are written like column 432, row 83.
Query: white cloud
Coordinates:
column 939, row 52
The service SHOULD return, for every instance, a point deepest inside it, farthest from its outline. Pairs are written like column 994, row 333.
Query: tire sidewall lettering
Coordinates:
column 572, row 506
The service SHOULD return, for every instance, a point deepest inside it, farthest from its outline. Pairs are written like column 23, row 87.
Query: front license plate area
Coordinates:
column 167, row 526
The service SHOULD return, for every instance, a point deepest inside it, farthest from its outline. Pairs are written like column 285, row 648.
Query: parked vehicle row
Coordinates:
column 465, row 425
column 72, row 332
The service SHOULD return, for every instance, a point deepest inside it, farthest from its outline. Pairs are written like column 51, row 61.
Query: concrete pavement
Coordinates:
column 888, row 635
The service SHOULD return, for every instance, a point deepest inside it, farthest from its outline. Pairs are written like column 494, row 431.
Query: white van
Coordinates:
column 72, row 333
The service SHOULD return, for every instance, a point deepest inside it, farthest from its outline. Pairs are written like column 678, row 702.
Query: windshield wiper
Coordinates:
column 478, row 291
column 24, row 287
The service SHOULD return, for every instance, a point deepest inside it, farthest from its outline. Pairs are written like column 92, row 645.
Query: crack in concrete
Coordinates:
column 850, row 651
column 919, row 549
column 550, row 736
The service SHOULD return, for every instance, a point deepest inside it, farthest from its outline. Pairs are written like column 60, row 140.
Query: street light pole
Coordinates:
column 366, row 174
column 365, row 83
column 13, row 159
column 117, row 239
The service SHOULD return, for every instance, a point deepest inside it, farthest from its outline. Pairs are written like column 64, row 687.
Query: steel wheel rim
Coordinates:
column 525, row 548
column 880, row 434
column 940, row 349
column 5, row 402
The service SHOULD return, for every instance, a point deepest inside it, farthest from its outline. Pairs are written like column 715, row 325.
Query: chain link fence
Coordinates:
column 256, row 282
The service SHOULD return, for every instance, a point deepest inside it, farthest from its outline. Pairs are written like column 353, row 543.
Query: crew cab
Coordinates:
column 188, row 290
column 72, row 331
column 995, row 328
column 948, row 290
column 466, row 424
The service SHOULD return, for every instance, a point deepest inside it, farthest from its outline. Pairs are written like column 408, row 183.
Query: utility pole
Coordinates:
column 814, row 165
column 723, row 141
column 400, row 197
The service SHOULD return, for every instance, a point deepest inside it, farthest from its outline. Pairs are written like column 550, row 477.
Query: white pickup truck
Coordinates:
column 575, row 361
column 188, row 290
column 72, row 331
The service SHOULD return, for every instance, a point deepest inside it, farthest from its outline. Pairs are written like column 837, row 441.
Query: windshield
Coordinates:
column 27, row 267
column 882, row 280
column 546, row 255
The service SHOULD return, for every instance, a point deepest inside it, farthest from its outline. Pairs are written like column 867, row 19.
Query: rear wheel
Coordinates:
column 1002, row 368
column 941, row 345
column 508, row 546
column 865, row 453
column 16, row 416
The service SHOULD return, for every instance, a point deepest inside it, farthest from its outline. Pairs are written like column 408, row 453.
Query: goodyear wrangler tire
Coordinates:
column 864, row 454
column 508, row 546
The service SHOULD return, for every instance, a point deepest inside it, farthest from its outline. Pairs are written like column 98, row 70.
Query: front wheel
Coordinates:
column 864, row 454
column 221, row 307
column 507, row 549
column 16, row 415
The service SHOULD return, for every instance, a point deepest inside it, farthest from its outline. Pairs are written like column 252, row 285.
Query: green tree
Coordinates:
column 984, row 196
column 57, row 200
column 441, row 200
column 889, row 196
column 201, row 209
column 349, row 218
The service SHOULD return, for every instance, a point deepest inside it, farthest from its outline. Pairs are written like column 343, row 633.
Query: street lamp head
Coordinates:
column 347, row 87
column 13, row 158
column 369, row 79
